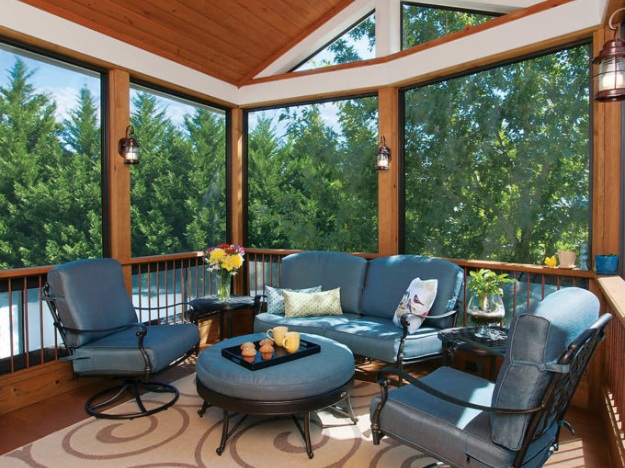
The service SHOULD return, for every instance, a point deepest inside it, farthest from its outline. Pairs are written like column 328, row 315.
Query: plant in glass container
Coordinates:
column 224, row 260
column 486, row 306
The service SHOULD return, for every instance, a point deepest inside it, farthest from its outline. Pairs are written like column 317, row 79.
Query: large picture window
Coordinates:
column 50, row 160
column 497, row 162
column 312, row 178
column 178, row 190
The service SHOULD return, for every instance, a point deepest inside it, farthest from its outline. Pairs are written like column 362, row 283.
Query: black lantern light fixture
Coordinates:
column 129, row 148
column 609, row 78
column 384, row 156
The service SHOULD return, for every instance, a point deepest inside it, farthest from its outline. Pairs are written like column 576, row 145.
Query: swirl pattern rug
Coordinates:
column 180, row 438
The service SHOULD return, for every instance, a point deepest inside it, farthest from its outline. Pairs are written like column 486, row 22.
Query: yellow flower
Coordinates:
column 228, row 263
column 216, row 256
column 237, row 261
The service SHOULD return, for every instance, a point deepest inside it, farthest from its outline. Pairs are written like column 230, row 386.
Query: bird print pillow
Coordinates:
column 417, row 300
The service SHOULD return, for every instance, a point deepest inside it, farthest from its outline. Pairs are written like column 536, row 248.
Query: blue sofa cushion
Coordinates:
column 314, row 325
column 78, row 286
column 379, row 338
column 118, row 354
column 329, row 269
column 536, row 341
column 454, row 434
column 388, row 278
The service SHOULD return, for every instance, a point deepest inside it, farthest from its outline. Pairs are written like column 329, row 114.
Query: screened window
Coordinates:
column 312, row 178
column 357, row 43
column 178, row 191
column 50, row 152
column 421, row 23
column 497, row 162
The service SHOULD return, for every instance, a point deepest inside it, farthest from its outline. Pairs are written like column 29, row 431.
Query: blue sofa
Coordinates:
column 370, row 293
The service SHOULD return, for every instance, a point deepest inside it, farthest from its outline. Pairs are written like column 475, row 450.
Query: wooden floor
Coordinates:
column 585, row 449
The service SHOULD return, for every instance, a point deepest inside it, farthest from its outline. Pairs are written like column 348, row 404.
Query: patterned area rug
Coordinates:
column 178, row 437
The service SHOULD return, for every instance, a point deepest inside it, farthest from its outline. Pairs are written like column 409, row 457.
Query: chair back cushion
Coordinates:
column 536, row 340
column 331, row 270
column 389, row 277
column 90, row 295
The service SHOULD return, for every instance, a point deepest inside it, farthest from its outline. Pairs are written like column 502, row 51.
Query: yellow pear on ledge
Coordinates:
column 551, row 261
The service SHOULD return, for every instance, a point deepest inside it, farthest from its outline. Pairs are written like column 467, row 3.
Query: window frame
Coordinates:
column 402, row 137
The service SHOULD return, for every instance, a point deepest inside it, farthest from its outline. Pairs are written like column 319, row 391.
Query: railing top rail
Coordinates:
column 613, row 290
column 22, row 272
column 293, row 251
column 522, row 267
column 162, row 258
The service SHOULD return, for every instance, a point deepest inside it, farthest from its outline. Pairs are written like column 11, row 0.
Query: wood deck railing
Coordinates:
column 612, row 368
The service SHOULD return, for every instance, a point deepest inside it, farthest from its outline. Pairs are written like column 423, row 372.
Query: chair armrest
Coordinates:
column 384, row 383
column 143, row 329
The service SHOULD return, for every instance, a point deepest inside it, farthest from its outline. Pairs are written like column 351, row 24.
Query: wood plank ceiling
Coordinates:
column 231, row 40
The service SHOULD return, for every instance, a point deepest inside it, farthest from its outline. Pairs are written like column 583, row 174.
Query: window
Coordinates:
column 357, row 43
column 50, row 152
column 312, row 181
column 497, row 162
column 178, row 191
column 421, row 23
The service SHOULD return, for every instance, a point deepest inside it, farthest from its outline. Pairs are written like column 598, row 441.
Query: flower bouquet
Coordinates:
column 224, row 260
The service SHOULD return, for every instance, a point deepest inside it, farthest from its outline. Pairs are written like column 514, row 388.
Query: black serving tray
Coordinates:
column 280, row 355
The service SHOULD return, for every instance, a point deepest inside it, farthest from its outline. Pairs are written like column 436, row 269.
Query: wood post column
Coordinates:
column 237, row 228
column 388, row 181
column 118, row 173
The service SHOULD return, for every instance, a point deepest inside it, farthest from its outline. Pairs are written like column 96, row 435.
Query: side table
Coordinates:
column 464, row 339
column 207, row 306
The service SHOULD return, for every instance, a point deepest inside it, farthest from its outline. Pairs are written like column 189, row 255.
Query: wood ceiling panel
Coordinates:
column 228, row 39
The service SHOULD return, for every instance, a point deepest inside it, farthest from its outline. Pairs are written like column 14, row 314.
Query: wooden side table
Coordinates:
column 207, row 306
column 464, row 339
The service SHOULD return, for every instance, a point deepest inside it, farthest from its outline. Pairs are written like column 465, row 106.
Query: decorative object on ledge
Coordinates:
column 486, row 306
column 128, row 147
column 567, row 259
column 224, row 260
column 609, row 79
column 583, row 257
column 551, row 262
column 384, row 156
column 606, row 264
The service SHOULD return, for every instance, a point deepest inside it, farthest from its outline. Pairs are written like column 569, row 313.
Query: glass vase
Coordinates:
column 485, row 311
column 223, row 283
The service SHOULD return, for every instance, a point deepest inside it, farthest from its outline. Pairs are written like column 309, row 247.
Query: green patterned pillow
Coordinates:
column 312, row 304
column 275, row 298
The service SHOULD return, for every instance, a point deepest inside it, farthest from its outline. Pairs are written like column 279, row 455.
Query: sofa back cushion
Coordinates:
column 536, row 340
column 331, row 270
column 389, row 277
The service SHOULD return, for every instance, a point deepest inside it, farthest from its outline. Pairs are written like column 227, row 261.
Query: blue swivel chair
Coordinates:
column 98, row 324
column 466, row 421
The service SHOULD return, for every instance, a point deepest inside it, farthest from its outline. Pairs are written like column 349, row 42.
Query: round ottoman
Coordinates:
column 307, row 384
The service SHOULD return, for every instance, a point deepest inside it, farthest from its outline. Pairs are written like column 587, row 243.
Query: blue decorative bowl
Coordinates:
column 606, row 265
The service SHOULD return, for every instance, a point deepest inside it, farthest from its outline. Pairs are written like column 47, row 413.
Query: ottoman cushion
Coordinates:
column 302, row 378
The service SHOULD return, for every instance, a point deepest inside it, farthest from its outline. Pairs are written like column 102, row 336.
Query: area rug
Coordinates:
column 179, row 437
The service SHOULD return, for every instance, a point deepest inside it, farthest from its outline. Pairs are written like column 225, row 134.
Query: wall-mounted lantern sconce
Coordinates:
column 609, row 79
column 384, row 156
column 129, row 148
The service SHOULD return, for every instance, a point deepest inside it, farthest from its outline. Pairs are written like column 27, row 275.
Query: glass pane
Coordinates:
column 50, row 152
column 312, row 177
column 422, row 24
column 178, row 190
column 497, row 163
column 358, row 43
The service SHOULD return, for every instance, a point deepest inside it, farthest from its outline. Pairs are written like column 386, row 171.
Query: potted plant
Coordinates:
column 606, row 264
column 486, row 306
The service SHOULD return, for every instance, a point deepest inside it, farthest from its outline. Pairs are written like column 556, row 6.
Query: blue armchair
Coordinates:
column 466, row 421
column 98, row 324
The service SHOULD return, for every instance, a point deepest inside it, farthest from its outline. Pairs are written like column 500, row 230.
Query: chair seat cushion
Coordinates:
column 379, row 338
column 118, row 354
column 428, row 423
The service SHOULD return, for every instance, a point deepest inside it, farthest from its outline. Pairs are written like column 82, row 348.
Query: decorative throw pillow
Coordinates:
column 275, row 298
column 312, row 304
column 417, row 300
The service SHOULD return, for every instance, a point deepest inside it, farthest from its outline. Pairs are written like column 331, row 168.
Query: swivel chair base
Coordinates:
column 134, row 387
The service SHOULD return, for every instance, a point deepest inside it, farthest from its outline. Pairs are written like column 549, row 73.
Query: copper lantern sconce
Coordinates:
column 384, row 156
column 609, row 80
column 129, row 148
